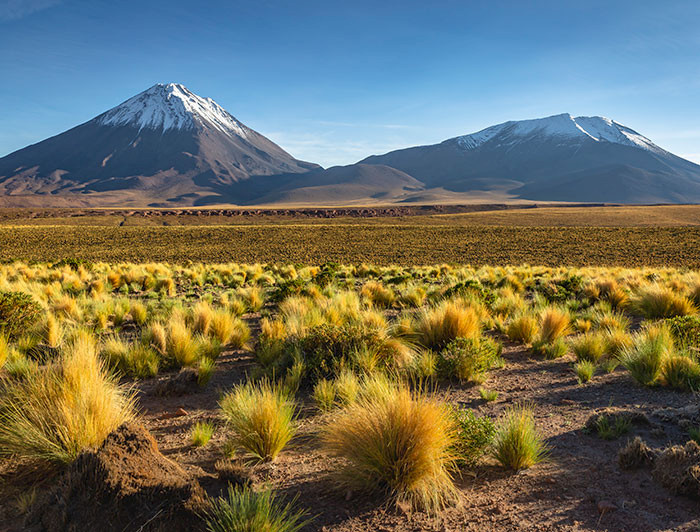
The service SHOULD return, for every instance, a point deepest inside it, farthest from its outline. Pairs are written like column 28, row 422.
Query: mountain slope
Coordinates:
column 167, row 143
column 556, row 158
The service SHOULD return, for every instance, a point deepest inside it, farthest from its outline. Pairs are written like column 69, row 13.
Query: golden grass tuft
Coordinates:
column 523, row 329
column 64, row 408
column 661, row 302
column 555, row 323
column 517, row 444
column 436, row 327
column 261, row 417
column 397, row 441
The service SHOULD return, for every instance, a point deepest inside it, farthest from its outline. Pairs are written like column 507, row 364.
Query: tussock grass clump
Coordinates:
column 324, row 395
column 245, row 510
column 517, row 444
column 228, row 329
column 378, row 294
column 205, row 371
column 488, row 395
column 645, row 358
column 680, row 372
column 662, row 302
column 555, row 324
column 201, row 433
column 523, row 329
column 181, row 346
column 590, row 347
column 261, row 417
column 63, row 409
column 584, row 370
column 397, row 441
column 436, row 327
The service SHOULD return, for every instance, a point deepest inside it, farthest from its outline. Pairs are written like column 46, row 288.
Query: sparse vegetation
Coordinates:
column 517, row 443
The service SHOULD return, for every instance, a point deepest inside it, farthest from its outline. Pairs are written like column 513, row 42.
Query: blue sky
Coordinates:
column 333, row 82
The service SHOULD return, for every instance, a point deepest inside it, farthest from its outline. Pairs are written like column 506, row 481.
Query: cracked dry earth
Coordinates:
column 580, row 487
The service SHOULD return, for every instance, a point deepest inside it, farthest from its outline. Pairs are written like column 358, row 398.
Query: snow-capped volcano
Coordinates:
column 587, row 158
column 564, row 127
column 163, row 146
column 172, row 106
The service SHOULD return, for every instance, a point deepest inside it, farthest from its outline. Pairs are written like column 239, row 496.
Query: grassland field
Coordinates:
column 601, row 236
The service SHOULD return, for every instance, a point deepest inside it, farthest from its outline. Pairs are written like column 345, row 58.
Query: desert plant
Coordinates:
column 378, row 294
column 244, row 510
column 555, row 323
column 229, row 329
column 324, row 395
column 347, row 387
column 66, row 408
column 557, row 349
column 517, row 444
column 436, row 327
column 474, row 435
column 645, row 358
column 589, row 347
column 584, row 370
column 18, row 312
column 205, row 371
column 201, row 433
column 468, row 359
column 523, row 329
column 611, row 427
column 261, row 417
column 488, row 395
column 661, row 302
column 181, row 346
column 681, row 372
column 397, row 441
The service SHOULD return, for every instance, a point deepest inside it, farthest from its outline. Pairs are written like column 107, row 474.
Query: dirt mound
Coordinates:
column 127, row 484
column 678, row 469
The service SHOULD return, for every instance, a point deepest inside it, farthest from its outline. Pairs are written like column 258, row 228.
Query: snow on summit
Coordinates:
column 563, row 126
column 172, row 106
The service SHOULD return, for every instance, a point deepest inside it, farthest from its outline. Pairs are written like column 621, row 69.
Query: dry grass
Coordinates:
column 400, row 442
column 436, row 327
column 63, row 409
column 261, row 417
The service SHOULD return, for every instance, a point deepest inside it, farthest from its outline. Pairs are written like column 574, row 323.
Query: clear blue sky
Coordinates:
column 333, row 82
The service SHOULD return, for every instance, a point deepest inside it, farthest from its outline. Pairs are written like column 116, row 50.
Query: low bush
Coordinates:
column 680, row 372
column 18, row 313
column 474, row 436
column 584, row 371
column 468, row 359
column 436, row 327
column 645, row 358
column 523, row 329
column 590, row 347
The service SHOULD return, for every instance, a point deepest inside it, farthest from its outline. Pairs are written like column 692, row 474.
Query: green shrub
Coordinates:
column 468, row 359
column 18, row 313
column 517, row 444
column 474, row 435
column 244, row 510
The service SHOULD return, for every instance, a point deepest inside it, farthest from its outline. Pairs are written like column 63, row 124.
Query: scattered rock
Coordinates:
column 127, row 484
column 180, row 412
